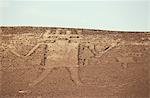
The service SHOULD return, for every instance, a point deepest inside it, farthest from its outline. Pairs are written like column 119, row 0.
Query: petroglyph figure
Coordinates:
column 59, row 52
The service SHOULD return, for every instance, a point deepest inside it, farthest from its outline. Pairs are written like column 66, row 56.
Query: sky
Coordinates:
column 121, row 15
column 148, row 15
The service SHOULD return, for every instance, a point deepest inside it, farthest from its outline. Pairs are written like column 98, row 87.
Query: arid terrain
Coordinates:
column 43, row 62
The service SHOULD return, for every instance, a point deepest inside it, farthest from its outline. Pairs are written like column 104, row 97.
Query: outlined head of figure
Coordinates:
column 74, row 35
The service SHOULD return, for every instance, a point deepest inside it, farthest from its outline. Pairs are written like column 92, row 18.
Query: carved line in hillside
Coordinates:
column 62, row 42
column 58, row 35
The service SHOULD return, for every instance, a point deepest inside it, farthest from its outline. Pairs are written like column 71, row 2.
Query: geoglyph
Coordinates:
column 46, row 49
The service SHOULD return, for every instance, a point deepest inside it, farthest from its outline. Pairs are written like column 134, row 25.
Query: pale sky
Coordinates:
column 124, row 15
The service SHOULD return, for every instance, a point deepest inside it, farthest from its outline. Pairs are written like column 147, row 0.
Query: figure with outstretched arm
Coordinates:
column 41, row 42
column 108, row 48
column 10, row 49
column 104, row 50
column 57, row 53
column 15, row 53
column 33, row 49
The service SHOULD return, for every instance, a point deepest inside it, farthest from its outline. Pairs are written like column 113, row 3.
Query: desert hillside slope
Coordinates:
column 49, row 62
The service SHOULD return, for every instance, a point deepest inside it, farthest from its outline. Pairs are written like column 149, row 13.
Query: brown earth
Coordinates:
column 111, row 64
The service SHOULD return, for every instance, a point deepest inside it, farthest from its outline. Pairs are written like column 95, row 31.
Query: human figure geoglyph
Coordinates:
column 59, row 52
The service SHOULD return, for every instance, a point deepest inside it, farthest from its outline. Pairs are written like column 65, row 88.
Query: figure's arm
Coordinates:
column 11, row 49
column 15, row 53
column 111, row 47
column 108, row 48
column 33, row 49
column 92, row 49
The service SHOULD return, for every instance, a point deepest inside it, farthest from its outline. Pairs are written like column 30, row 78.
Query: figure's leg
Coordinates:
column 41, row 77
column 75, row 75
column 35, row 82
